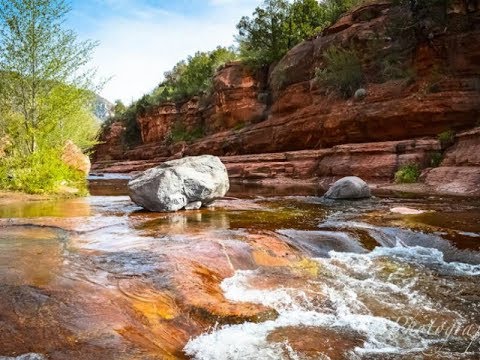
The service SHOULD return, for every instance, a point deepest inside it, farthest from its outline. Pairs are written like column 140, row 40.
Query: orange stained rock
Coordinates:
column 318, row 343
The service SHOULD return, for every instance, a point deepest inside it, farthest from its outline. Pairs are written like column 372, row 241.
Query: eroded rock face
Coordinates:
column 236, row 99
column 234, row 102
column 459, row 172
column 74, row 157
column 350, row 187
column 185, row 183
column 110, row 145
column 156, row 123
column 291, row 112
column 375, row 162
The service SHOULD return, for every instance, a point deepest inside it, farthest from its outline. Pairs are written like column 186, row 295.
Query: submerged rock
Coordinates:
column 406, row 211
column 350, row 187
column 178, row 184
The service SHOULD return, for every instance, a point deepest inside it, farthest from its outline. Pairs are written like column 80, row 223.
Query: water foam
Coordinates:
column 351, row 281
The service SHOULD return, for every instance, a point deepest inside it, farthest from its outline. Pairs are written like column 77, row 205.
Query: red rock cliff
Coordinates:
column 291, row 111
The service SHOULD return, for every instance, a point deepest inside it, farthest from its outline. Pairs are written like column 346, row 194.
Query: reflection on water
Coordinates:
column 269, row 275
column 54, row 208
column 35, row 253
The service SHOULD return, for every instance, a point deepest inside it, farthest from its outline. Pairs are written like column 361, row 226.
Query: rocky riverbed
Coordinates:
column 268, row 273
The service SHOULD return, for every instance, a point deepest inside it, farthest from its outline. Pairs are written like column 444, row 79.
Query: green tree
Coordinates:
column 264, row 38
column 278, row 25
column 46, row 96
column 342, row 72
column 119, row 108
column 307, row 18
column 42, row 65
column 190, row 77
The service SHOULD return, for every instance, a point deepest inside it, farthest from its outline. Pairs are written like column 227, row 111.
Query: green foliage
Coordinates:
column 42, row 172
column 190, row 77
column 240, row 126
column 42, row 63
column 119, row 108
column 132, row 135
column 447, row 137
column 180, row 133
column 46, row 97
column 418, row 20
column 333, row 9
column 265, row 38
column 393, row 67
column 436, row 159
column 343, row 71
column 128, row 117
column 408, row 174
column 278, row 25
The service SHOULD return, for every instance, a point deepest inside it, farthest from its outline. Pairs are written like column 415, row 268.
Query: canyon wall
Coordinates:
column 282, row 123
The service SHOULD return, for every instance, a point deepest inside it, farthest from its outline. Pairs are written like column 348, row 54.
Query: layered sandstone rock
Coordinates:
column 110, row 145
column 267, row 120
column 156, row 123
column 460, row 170
column 236, row 100
column 375, row 162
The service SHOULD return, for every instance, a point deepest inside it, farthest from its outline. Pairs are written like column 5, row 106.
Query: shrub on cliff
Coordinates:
column 447, row 138
column 180, row 133
column 188, row 78
column 192, row 76
column 342, row 72
column 408, row 174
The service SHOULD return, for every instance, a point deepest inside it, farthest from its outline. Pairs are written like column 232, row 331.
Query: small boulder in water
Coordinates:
column 178, row 184
column 350, row 187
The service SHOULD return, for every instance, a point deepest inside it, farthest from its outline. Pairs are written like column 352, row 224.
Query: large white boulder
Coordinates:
column 350, row 187
column 189, row 183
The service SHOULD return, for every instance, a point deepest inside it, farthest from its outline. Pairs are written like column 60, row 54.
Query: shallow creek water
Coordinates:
column 265, row 274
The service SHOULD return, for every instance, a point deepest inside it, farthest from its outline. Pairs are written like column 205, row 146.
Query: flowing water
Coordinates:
column 267, row 273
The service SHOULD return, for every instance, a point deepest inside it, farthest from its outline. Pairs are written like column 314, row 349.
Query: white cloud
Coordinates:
column 137, row 50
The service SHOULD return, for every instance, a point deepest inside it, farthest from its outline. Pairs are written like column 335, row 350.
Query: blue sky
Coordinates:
column 141, row 39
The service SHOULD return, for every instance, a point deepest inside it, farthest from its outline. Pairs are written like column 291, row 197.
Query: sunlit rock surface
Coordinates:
column 73, row 156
